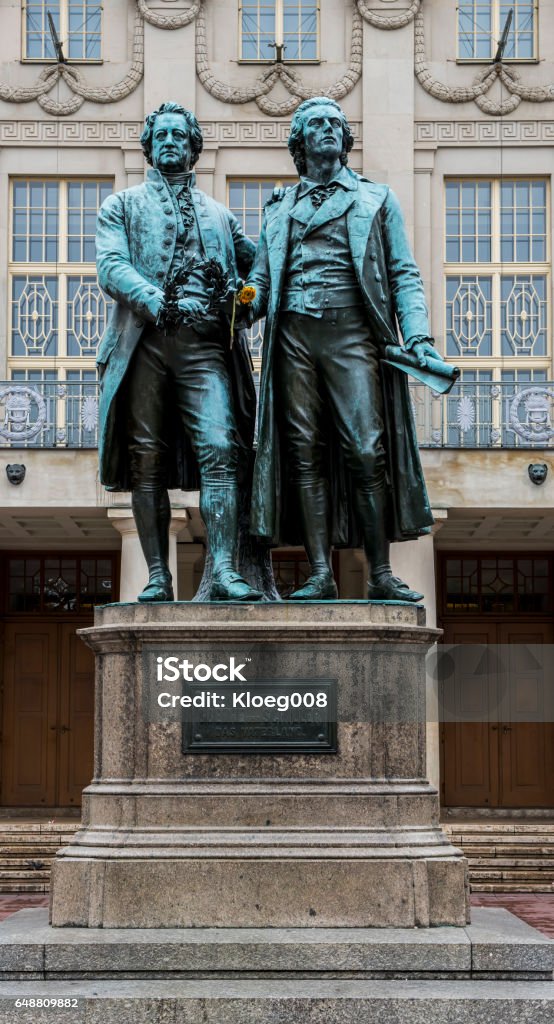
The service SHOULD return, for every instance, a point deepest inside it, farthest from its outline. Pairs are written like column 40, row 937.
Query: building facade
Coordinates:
column 452, row 104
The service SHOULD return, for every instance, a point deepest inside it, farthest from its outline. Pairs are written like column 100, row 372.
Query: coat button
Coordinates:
column 378, row 277
column 166, row 243
column 383, row 297
column 373, row 256
column 165, row 256
column 139, row 323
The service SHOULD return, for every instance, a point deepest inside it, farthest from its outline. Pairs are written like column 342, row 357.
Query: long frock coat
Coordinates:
column 393, row 296
column 135, row 243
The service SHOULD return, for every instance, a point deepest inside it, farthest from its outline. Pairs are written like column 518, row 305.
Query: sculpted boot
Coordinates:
column 382, row 586
column 219, row 510
column 314, row 513
column 152, row 513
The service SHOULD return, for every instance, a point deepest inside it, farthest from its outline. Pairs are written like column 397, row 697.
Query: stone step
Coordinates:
column 513, row 876
column 542, row 863
column 288, row 1002
column 495, row 944
column 25, row 876
column 22, row 887
column 512, row 887
column 526, row 826
column 535, row 852
column 497, row 969
column 490, row 839
column 505, row 856
column 21, row 853
column 21, row 844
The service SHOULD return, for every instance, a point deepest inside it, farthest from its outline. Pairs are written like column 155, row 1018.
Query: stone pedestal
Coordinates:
column 346, row 839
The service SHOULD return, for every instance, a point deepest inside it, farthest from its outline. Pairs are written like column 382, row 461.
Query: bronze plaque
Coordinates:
column 276, row 717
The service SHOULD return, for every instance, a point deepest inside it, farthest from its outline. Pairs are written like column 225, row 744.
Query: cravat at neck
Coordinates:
column 179, row 178
column 320, row 193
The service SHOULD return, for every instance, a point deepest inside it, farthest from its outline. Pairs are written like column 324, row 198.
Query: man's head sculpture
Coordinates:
column 195, row 132
column 296, row 137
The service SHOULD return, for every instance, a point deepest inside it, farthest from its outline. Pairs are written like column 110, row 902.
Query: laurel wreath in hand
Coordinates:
column 219, row 288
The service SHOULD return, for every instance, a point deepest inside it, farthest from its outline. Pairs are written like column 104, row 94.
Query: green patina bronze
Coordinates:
column 337, row 460
column 177, row 400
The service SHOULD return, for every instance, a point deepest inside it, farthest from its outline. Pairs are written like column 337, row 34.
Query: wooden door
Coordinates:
column 76, row 718
column 497, row 727
column 468, row 699
column 47, row 732
column 30, row 715
column 526, row 731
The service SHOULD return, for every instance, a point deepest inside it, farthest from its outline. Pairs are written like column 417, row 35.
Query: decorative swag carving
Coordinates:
column 291, row 77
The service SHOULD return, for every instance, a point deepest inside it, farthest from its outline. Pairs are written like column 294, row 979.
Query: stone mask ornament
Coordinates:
column 15, row 473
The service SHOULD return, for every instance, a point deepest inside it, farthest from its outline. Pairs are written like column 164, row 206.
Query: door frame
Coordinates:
column 446, row 619
column 77, row 620
column 58, row 623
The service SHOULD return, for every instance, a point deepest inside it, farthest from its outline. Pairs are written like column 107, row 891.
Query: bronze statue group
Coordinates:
column 336, row 461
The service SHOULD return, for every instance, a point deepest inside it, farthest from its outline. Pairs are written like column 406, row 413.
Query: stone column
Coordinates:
column 135, row 166
column 423, row 231
column 190, row 564
column 414, row 561
column 388, row 112
column 133, row 573
column 169, row 62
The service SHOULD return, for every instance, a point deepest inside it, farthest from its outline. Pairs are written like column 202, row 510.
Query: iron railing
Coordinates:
column 48, row 414
column 474, row 415
column 478, row 414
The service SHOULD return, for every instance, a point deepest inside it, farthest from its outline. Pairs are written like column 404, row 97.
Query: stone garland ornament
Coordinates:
column 51, row 75
column 482, row 83
column 387, row 21
column 168, row 21
column 258, row 91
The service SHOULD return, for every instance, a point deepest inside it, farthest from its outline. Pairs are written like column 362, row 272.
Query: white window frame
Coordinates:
column 279, row 32
column 62, row 269
column 63, row 34
column 495, row 269
column 497, row 27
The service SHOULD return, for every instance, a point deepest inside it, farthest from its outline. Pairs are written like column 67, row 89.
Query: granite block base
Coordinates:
column 284, row 840
column 497, row 969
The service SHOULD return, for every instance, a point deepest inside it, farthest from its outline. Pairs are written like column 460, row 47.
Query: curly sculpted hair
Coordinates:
column 196, row 140
column 296, row 137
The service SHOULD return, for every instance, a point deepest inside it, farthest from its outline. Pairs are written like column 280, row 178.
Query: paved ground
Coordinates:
column 11, row 902
column 538, row 911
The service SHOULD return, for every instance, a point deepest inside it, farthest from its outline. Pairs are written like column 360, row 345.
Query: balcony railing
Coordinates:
column 485, row 415
column 48, row 415
column 473, row 415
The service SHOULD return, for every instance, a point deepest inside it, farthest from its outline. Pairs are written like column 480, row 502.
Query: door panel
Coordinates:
column 47, row 747
column 29, row 726
column 527, row 733
column 76, row 723
column 504, row 756
column 470, row 746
